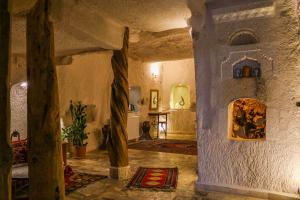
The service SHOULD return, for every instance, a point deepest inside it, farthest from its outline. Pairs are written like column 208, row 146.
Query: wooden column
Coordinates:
column 5, row 147
column 117, row 140
column 45, row 149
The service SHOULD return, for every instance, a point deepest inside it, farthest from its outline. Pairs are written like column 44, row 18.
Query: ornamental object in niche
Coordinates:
column 246, row 68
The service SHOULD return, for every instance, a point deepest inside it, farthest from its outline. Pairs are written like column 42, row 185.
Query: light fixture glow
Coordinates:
column 24, row 85
column 155, row 70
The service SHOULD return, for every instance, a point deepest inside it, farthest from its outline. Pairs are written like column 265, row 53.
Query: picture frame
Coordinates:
column 154, row 97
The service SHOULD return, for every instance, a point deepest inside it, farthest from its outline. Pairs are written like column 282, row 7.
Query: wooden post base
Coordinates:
column 119, row 173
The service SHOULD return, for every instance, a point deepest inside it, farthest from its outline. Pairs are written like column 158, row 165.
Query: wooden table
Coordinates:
column 158, row 122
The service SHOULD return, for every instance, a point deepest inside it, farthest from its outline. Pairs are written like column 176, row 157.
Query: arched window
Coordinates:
column 180, row 97
column 243, row 37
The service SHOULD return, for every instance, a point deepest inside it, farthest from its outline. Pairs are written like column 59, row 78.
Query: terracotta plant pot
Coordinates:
column 80, row 152
column 64, row 151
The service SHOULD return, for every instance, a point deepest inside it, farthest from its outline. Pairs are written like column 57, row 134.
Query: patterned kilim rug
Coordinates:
column 73, row 181
column 168, row 146
column 160, row 179
column 80, row 180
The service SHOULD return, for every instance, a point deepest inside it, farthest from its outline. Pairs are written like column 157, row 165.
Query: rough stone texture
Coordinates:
column 18, row 102
column 87, row 79
column 162, row 46
column 271, row 165
column 82, row 26
column 154, row 16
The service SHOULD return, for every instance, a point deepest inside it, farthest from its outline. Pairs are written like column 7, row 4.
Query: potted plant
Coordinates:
column 76, row 131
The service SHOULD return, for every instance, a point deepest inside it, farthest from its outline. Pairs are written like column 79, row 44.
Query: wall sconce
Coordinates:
column 24, row 85
column 155, row 70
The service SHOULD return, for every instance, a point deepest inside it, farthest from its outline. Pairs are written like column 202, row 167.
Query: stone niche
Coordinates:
column 246, row 68
column 258, row 64
column 246, row 120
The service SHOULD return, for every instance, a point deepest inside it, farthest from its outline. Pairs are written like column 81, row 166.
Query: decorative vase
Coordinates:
column 80, row 152
column 146, row 128
column 247, row 71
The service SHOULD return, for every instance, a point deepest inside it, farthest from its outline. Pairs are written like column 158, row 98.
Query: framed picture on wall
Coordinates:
column 153, row 99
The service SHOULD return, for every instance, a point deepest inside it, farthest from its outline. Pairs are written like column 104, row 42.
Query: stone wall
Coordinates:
column 271, row 165
column 18, row 103
column 18, row 96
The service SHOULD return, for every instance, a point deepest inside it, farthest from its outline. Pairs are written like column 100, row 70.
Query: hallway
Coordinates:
column 109, row 189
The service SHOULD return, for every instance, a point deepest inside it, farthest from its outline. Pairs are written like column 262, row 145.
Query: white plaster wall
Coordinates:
column 88, row 79
column 271, row 165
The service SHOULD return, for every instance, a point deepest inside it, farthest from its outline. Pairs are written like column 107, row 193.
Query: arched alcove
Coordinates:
column 243, row 37
column 180, row 97
column 246, row 68
column 246, row 120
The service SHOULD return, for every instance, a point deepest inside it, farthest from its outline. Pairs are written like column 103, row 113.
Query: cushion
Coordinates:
column 20, row 152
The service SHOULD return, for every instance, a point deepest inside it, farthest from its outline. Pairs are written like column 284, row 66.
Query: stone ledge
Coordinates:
column 245, row 192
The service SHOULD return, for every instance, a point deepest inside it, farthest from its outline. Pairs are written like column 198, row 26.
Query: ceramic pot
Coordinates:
column 146, row 128
column 80, row 152
column 247, row 71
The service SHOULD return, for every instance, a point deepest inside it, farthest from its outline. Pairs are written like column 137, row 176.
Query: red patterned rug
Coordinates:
column 161, row 179
column 73, row 181
column 168, row 146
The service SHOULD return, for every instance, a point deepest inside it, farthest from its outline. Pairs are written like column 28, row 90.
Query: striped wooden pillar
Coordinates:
column 117, row 142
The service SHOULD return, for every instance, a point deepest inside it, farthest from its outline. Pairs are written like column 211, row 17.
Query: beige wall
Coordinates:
column 171, row 72
column 87, row 79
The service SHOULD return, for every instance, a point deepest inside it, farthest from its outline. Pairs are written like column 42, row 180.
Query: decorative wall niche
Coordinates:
column 253, row 58
column 243, row 37
column 246, row 68
column 246, row 120
column 180, row 97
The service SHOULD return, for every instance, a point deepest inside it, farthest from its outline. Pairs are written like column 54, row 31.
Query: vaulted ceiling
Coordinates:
column 158, row 27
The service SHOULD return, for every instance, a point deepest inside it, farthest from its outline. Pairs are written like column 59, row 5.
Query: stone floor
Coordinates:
column 108, row 189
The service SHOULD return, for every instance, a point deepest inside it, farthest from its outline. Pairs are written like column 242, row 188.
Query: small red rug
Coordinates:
column 161, row 179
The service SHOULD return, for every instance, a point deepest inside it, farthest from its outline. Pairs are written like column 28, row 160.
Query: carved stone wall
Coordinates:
column 273, row 164
column 18, row 101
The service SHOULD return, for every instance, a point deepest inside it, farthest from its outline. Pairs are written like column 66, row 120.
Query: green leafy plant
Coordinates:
column 76, row 132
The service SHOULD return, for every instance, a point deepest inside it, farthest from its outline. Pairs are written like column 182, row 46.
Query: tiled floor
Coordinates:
column 108, row 189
